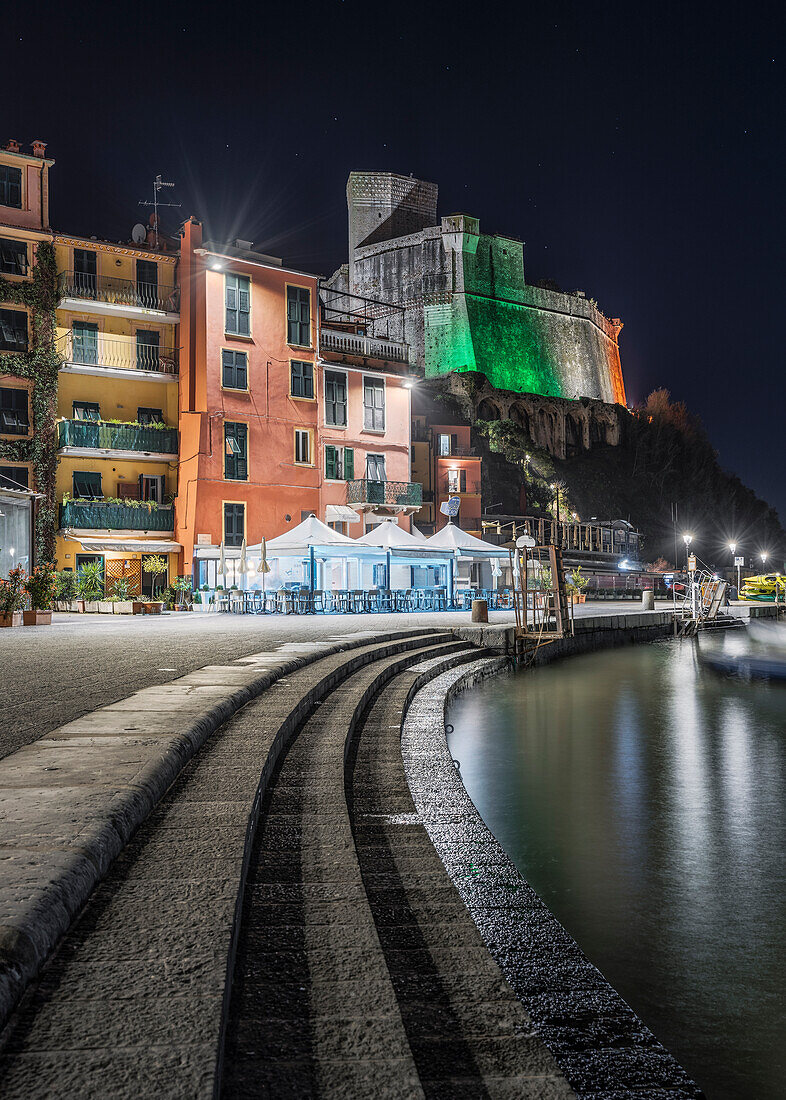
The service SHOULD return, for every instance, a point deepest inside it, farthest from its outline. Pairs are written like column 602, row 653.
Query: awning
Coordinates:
column 128, row 546
column 341, row 513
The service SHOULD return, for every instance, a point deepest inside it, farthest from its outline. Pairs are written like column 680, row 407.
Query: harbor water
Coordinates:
column 644, row 797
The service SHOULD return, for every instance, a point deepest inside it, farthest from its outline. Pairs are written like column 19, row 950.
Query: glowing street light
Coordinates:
column 764, row 556
column 733, row 548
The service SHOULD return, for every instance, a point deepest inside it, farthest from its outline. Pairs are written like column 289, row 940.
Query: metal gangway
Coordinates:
column 540, row 601
column 704, row 597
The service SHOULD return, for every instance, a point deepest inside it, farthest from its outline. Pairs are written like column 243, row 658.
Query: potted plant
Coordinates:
column 40, row 588
column 121, row 590
column 157, row 566
column 90, row 584
column 182, row 585
column 196, row 602
column 65, row 590
column 138, row 605
column 575, row 585
column 12, row 598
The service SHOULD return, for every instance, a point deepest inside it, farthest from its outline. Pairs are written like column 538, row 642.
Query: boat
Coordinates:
column 745, row 665
column 764, row 588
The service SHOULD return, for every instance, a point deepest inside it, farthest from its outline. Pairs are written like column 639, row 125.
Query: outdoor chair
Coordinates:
column 387, row 600
column 318, row 601
column 372, row 602
column 357, row 600
column 305, row 601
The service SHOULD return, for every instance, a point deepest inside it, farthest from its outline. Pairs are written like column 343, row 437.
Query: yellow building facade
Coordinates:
column 117, row 334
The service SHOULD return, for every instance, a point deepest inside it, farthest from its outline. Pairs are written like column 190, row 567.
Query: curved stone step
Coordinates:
column 468, row 1033
column 143, row 971
column 313, row 1011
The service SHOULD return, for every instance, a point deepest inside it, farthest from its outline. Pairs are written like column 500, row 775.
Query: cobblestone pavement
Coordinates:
column 52, row 675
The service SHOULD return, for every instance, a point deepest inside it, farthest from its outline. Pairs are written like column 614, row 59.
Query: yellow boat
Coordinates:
column 764, row 588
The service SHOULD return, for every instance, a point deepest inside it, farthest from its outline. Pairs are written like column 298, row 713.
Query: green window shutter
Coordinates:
column 349, row 464
column 331, row 463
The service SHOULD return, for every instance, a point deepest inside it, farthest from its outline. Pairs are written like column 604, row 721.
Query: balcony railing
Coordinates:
column 122, row 352
column 117, row 437
column 454, row 488
column 403, row 493
column 119, row 292
column 370, row 347
column 106, row 515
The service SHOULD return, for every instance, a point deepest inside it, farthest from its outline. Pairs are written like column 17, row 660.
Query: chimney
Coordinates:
column 244, row 245
column 12, row 146
column 39, row 148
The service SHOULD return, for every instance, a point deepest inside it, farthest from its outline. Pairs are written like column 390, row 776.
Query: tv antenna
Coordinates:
column 158, row 183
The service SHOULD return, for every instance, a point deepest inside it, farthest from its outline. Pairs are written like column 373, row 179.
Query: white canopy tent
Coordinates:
column 468, row 550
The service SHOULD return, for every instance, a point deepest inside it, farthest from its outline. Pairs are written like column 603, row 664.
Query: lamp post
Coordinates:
column 733, row 548
column 764, row 558
column 558, row 539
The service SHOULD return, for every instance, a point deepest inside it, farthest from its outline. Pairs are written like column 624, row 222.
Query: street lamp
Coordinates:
column 733, row 548
column 764, row 557
column 687, row 539
column 558, row 540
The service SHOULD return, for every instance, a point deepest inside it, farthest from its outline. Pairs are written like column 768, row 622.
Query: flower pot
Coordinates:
column 154, row 608
column 37, row 618
column 105, row 607
column 581, row 598
column 123, row 607
column 13, row 618
column 78, row 605
column 91, row 607
column 138, row 607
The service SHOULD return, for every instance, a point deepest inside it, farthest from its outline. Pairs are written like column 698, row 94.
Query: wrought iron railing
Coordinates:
column 121, row 292
column 117, row 437
column 453, row 487
column 370, row 347
column 124, row 352
column 364, row 491
column 108, row 515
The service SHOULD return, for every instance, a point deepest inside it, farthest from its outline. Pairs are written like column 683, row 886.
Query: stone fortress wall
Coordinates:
column 467, row 306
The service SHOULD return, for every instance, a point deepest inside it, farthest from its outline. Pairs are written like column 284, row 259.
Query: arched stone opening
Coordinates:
column 574, row 440
column 597, row 432
column 487, row 410
column 521, row 417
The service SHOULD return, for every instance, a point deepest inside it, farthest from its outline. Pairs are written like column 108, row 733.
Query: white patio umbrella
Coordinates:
column 451, row 537
column 242, row 563
column 264, row 567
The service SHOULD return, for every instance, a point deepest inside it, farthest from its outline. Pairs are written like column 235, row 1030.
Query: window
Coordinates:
column 303, row 447
column 301, row 379
column 375, row 467
column 147, row 283
column 235, row 451
column 335, row 398
column 238, row 305
column 373, row 404
column 85, row 278
column 14, row 415
column 86, row 410
column 14, row 477
column 299, row 316
column 148, row 350
column 84, row 344
column 234, row 524
column 447, row 444
column 339, row 463
column 87, row 484
column 457, row 481
column 10, row 186
column 13, row 330
column 234, row 370
column 151, row 487
column 149, row 416
column 13, row 257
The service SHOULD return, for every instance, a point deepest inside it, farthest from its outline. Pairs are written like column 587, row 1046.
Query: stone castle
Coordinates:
column 546, row 358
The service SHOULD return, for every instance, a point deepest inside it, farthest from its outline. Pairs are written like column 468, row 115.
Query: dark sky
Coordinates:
column 638, row 150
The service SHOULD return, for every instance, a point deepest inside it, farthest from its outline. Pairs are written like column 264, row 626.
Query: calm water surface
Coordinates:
column 645, row 800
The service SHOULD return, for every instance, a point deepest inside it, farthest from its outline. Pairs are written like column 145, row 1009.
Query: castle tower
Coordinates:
column 384, row 205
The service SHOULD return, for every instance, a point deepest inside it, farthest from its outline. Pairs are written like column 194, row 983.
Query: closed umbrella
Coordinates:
column 263, row 564
column 242, row 564
column 222, row 565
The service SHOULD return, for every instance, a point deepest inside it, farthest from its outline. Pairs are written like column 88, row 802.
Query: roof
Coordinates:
column 389, row 535
column 311, row 532
column 452, row 537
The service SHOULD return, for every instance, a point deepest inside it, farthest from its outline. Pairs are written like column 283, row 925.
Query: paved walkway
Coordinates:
column 52, row 675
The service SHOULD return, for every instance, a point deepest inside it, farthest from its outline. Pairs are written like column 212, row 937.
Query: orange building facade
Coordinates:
column 444, row 461
column 279, row 416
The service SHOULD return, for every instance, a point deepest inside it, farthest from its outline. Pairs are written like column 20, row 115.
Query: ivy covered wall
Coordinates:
column 39, row 364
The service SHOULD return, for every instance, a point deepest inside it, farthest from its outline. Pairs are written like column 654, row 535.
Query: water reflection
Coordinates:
column 644, row 799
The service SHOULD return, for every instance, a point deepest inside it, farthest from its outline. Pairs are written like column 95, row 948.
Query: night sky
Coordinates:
column 637, row 150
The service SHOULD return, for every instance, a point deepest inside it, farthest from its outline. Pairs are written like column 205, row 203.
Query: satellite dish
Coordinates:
column 138, row 233
column 524, row 540
column 450, row 507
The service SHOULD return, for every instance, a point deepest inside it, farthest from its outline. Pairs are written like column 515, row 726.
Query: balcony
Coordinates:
column 455, row 488
column 87, row 436
column 120, row 297
column 117, row 356
column 391, row 494
column 105, row 515
column 363, row 347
